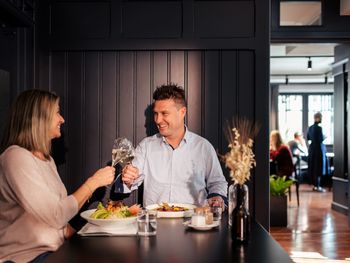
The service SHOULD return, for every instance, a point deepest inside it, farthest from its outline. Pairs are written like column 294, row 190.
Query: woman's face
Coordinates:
column 57, row 120
column 272, row 140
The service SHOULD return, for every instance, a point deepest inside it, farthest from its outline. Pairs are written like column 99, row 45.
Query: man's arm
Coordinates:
column 216, row 182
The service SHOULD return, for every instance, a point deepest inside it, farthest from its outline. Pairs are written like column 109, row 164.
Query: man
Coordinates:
column 300, row 155
column 298, row 146
column 175, row 165
column 317, row 153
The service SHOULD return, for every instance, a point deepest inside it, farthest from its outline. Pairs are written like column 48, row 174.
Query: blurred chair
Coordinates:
column 295, row 178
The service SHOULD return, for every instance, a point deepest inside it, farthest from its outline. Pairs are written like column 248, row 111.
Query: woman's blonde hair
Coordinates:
column 30, row 121
column 278, row 139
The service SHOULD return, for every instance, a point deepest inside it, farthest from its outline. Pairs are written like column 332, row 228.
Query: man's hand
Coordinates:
column 129, row 175
column 217, row 201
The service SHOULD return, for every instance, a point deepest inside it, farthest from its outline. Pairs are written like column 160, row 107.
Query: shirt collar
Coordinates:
column 185, row 139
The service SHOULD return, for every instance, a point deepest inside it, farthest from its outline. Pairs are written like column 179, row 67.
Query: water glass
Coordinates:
column 147, row 222
column 217, row 211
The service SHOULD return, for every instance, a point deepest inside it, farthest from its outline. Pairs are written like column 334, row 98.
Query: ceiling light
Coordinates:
column 309, row 64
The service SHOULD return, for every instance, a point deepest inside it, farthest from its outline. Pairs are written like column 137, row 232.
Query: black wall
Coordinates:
column 17, row 57
column 105, row 58
column 341, row 186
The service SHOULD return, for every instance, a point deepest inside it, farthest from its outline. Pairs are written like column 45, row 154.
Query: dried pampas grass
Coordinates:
column 240, row 159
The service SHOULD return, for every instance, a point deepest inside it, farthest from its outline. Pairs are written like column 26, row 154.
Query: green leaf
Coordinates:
column 279, row 185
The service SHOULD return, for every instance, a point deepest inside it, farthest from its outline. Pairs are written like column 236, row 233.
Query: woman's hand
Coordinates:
column 129, row 175
column 68, row 231
column 101, row 177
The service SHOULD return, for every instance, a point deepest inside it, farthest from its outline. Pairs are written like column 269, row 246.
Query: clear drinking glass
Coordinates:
column 216, row 209
column 147, row 222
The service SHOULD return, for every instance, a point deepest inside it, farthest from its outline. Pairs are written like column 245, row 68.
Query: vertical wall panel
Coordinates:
column 194, row 92
column 229, row 98
column 177, row 67
column 108, row 105
column 58, row 85
column 74, row 118
column 91, row 113
column 211, row 97
column 160, row 68
column 126, row 94
column 246, row 84
column 143, row 96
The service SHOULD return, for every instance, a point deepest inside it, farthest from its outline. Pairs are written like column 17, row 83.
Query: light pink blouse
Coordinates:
column 34, row 206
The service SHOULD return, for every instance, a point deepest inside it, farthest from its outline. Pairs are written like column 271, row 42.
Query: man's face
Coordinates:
column 169, row 117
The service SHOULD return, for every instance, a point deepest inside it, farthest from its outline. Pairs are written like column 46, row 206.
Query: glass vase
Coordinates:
column 239, row 218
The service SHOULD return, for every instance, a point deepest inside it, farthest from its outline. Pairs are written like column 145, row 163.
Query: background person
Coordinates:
column 176, row 165
column 317, row 160
column 300, row 153
column 298, row 146
column 35, row 207
column 280, row 155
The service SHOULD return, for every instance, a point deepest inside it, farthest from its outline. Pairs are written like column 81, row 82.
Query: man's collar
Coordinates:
column 186, row 137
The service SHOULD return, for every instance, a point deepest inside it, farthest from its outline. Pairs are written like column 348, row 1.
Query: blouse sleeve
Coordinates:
column 24, row 178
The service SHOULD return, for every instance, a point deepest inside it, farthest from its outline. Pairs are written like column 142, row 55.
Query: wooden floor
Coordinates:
column 314, row 226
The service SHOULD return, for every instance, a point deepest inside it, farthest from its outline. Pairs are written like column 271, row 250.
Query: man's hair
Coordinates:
column 296, row 134
column 30, row 121
column 170, row 91
column 318, row 115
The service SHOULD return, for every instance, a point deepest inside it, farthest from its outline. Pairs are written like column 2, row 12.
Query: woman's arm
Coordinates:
column 37, row 188
column 102, row 177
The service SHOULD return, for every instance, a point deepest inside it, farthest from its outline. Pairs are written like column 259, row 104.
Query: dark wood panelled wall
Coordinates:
column 105, row 59
column 106, row 95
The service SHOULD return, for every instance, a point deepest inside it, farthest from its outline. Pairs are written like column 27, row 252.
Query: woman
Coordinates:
column 317, row 162
column 35, row 207
column 280, row 155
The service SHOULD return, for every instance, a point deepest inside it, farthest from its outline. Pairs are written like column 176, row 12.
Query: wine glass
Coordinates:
column 123, row 153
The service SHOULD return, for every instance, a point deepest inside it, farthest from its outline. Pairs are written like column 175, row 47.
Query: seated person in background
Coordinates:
column 300, row 155
column 298, row 146
column 35, row 206
column 175, row 165
column 281, row 155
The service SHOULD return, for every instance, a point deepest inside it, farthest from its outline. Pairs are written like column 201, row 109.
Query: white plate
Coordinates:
column 205, row 227
column 186, row 213
column 110, row 223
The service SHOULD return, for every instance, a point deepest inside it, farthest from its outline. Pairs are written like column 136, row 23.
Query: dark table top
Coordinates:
column 174, row 243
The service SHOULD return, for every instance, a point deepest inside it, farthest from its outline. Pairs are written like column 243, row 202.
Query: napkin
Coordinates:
column 93, row 230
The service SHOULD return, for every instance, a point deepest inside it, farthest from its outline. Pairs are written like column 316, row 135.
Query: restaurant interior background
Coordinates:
column 105, row 58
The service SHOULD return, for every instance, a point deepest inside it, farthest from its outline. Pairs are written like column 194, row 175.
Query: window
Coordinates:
column 292, row 116
column 290, row 110
column 300, row 13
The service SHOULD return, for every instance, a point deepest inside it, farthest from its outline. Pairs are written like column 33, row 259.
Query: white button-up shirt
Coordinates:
column 186, row 174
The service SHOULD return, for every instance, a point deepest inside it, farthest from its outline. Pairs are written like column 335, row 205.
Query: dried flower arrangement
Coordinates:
column 240, row 159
